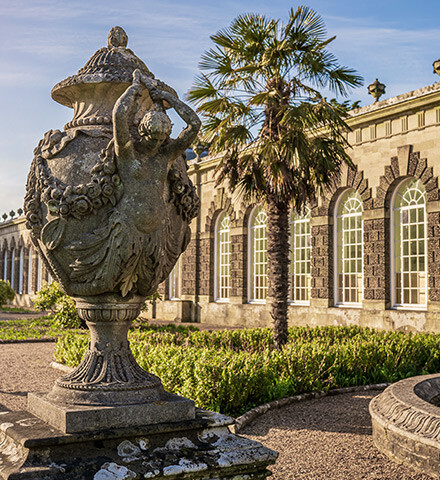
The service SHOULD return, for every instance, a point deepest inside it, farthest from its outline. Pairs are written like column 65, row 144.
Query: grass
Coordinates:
column 29, row 329
column 47, row 327
column 15, row 310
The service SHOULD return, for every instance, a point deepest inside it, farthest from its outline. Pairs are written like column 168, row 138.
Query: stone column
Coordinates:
column 322, row 261
column 239, row 264
column 377, row 251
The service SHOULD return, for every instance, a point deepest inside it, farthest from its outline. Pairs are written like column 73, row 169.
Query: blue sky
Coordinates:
column 44, row 41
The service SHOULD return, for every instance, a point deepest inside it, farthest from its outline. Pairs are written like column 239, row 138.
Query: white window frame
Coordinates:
column 39, row 273
column 5, row 265
column 174, row 286
column 394, row 304
column 296, row 220
column 339, row 302
column 30, row 270
column 257, row 210
column 222, row 258
column 20, row 271
column 12, row 272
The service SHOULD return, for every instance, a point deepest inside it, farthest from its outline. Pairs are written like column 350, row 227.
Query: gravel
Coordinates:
column 327, row 438
column 25, row 367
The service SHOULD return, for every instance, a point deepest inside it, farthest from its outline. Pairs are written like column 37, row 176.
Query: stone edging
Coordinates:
column 252, row 414
column 60, row 366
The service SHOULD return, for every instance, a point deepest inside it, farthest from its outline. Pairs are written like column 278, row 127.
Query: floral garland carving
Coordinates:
column 183, row 195
column 70, row 200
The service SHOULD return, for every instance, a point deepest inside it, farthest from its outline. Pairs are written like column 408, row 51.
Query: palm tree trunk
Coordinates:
column 278, row 248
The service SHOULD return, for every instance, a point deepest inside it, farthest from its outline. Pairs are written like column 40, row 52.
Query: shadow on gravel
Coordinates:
column 18, row 394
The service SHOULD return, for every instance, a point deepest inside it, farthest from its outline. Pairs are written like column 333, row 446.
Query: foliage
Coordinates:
column 233, row 371
column 6, row 292
column 15, row 310
column 48, row 297
column 51, row 297
column 29, row 329
column 66, row 314
column 259, row 96
column 150, row 299
column 281, row 141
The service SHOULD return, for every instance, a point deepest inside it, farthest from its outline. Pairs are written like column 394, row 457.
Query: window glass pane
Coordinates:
column 258, row 255
column 300, row 241
column 349, row 248
column 409, row 243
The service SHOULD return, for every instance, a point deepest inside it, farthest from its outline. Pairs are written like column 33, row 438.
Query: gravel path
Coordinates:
column 327, row 439
column 25, row 367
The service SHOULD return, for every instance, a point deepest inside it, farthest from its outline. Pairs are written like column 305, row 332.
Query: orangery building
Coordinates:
column 368, row 253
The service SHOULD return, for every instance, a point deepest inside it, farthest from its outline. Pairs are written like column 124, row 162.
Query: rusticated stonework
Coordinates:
column 321, row 265
column 376, row 276
column 434, row 256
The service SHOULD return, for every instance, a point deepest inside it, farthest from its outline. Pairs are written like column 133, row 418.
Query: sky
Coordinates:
column 44, row 41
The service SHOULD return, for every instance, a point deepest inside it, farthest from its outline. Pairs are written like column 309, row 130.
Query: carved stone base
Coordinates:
column 406, row 423
column 85, row 418
column 199, row 449
column 108, row 375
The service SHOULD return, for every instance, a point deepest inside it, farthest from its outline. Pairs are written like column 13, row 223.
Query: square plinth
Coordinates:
column 83, row 418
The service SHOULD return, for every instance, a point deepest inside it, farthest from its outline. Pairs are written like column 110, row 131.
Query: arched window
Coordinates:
column 174, row 282
column 222, row 283
column 300, row 253
column 30, row 271
column 257, row 256
column 12, row 272
column 39, row 273
column 409, row 240
column 20, row 272
column 349, row 249
column 5, row 265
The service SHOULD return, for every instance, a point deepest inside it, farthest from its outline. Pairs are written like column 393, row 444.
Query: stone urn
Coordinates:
column 108, row 202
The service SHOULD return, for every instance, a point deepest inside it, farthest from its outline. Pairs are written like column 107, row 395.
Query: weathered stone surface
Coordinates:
column 406, row 424
column 86, row 418
column 198, row 449
column 109, row 202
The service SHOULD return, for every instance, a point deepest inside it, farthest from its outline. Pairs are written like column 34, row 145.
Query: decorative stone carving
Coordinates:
column 406, row 422
column 108, row 202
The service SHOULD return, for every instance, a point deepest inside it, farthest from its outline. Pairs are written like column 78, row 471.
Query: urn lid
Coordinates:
column 114, row 63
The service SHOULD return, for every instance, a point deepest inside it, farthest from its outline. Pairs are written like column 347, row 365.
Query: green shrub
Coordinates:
column 51, row 297
column 48, row 297
column 66, row 314
column 232, row 371
column 6, row 292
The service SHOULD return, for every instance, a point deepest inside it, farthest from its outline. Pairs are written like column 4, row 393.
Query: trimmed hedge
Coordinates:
column 233, row 371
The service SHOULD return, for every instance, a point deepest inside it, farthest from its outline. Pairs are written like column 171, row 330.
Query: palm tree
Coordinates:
column 282, row 142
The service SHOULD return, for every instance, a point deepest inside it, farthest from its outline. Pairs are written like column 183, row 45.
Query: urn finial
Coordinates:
column 376, row 90
column 117, row 38
column 436, row 66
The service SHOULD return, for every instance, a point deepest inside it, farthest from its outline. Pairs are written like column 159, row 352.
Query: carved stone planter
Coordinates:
column 109, row 203
column 406, row 422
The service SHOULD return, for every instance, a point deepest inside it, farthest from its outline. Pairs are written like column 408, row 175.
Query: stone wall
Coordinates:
column 400, row 148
